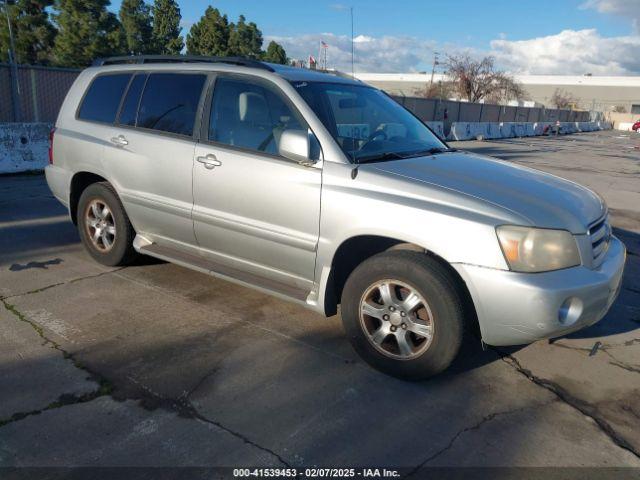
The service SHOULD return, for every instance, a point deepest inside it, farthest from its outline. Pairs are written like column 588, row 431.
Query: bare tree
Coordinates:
column 563, row 99
column 477, row 80
column 441, row 89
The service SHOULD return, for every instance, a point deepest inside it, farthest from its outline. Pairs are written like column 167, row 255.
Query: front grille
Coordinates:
column 600, row 234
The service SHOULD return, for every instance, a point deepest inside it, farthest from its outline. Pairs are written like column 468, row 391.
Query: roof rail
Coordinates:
column 138, row 59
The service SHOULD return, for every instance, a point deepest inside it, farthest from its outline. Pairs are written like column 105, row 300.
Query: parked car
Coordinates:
column 324, row 191
column 636, row 126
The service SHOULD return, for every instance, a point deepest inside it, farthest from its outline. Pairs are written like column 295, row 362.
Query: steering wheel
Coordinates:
column 373, row 136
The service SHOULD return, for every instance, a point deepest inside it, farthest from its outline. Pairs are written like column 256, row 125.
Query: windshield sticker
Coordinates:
column 359, row 131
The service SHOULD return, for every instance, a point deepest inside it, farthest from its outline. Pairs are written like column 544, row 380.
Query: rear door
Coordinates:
column 255, row 210
column 149, row 154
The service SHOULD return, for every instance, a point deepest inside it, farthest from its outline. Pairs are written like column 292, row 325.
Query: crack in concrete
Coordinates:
column 476, row 426
column 62, row 401
column 53, row 285
column 152, row 399
column 104, row 387
column 185, row 408
column 583, row 407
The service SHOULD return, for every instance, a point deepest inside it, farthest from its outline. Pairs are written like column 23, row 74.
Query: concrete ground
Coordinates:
column 157, row 365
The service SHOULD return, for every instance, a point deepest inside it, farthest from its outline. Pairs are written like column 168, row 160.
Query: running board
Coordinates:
column 204, row 265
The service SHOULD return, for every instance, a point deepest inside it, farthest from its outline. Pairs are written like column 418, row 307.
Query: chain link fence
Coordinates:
column 35, row 95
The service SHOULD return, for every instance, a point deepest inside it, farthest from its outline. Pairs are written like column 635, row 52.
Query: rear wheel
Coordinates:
column 104, row 227
column 403, row 314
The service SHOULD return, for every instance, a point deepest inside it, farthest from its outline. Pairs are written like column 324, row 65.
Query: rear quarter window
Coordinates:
column 102, row 99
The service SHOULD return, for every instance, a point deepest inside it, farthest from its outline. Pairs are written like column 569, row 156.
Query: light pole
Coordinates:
column 352, row 46
column 433, row 69
column 15, row 90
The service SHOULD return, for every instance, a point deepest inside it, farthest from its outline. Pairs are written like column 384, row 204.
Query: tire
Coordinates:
column 116, row 247
column 439, row 323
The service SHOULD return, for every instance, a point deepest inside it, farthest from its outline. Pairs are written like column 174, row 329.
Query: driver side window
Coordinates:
column 250, row 115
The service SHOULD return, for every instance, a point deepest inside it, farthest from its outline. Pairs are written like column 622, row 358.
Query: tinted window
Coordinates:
column 101, row 102
column 250, row 115
column 170, row 101
column 129, row 108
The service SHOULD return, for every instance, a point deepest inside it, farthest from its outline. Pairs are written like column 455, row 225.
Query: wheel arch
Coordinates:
column 355, row 250
column 79, row 182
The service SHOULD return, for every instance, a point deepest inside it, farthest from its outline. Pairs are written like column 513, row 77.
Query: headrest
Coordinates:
column 253, row 108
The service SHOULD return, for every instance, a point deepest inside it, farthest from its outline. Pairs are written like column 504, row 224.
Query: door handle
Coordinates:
column 119, row 141
column 210, row 161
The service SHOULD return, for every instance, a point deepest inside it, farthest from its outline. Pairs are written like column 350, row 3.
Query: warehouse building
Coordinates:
column 599, row 93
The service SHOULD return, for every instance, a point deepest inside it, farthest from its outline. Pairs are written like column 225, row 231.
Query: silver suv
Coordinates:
column 324, row 191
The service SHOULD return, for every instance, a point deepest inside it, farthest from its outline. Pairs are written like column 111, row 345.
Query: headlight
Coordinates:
column 537, row 249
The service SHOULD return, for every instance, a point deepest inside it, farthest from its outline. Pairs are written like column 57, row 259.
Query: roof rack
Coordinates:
column 138, row 59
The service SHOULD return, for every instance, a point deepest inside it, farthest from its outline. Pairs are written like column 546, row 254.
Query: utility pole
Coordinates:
column 352, row 46
column 15, row 89
column 433, row 69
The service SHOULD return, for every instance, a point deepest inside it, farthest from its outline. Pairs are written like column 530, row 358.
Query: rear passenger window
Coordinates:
column 129, row 109
column 101, row 102
column 170, row 102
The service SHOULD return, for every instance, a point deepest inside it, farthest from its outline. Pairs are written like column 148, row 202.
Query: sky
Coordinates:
column 601, row 37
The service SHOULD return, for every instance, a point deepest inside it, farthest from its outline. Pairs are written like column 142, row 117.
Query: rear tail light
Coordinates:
column 53, row 130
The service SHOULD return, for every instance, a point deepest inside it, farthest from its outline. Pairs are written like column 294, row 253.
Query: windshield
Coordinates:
column 367, row 124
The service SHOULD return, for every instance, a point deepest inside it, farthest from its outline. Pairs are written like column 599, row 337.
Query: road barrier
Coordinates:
column 493, row 130
column 23, row 146
column 438, row 128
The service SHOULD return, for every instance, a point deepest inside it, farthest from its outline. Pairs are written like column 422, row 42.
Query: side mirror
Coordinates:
column 296, row 145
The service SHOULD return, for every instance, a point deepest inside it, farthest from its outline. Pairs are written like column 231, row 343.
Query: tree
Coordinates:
column 562, row 99
column 210, row 35
column 476, row 80
column 442, row 90
column 135, row 17
column 245, row 39
column 620, row 109
column 33, row 33
column 275, row 54
column 166, row 27
column 86, row 30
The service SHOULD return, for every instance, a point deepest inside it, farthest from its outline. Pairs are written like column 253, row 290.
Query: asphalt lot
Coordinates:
column 158, row 365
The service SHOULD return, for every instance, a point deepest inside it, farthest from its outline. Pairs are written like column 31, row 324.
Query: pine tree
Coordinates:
column 86, row 30
column 135, row 18
column 210, row 35
column 275, row 54
column 245, row 39
column 33, row 33
column 166, row 27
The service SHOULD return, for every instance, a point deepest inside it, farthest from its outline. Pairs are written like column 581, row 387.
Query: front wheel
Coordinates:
column 403, row 314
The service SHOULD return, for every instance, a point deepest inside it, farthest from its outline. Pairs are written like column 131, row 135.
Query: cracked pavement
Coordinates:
column 157, row 365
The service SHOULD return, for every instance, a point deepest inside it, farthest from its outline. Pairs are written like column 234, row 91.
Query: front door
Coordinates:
column 255, row 210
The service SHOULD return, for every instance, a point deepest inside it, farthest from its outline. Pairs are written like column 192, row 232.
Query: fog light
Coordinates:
column 570, row 311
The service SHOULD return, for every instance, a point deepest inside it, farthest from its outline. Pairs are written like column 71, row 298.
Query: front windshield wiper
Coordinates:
column 429, row 151
column 381, row 157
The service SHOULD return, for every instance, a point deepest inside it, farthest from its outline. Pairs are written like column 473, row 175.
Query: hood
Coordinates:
column 543, row 199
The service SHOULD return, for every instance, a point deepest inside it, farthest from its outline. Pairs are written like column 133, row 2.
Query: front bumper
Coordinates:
column 517, row 308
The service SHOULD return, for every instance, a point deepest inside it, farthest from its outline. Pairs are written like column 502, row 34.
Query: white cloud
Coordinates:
column 570, row 52
column 372, row 54
column 626, row 8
